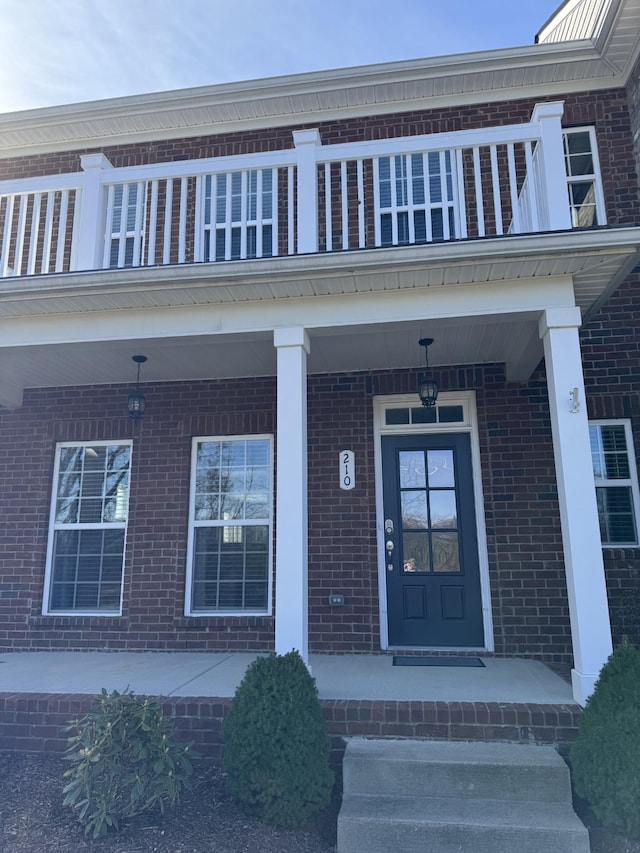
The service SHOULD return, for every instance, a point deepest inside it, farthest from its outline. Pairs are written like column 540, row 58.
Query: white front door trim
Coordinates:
column 469, row 424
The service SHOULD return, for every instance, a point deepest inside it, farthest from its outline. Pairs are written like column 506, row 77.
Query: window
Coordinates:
column 125, row 237
column 238, row 213
column 616, row 480
column 583, row 178
column 87, row 529
column 415, row 198
column 229, row 567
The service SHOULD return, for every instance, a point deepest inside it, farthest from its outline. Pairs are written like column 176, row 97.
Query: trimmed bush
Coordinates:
column 276, row 753
column 124, row 761
column 606, row 755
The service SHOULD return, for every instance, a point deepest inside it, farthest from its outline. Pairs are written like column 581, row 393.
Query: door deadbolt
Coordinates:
column 388, row 527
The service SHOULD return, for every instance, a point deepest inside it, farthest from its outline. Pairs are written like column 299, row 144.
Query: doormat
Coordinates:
column 434, row 660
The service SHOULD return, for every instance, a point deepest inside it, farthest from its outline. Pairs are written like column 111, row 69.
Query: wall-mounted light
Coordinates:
column 136, row 402
column 427, row 386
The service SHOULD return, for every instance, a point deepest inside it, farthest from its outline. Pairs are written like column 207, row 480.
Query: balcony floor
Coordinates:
column 348, row 677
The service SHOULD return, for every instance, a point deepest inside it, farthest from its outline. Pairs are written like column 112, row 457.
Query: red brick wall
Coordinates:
column 608, row 110
column 526, row 567
column 633, row 90
column 32, row 722
column 611, row 357
column 524, row 545
column 525, row 557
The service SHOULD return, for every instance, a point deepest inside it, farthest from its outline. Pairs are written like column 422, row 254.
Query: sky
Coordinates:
column 66, row 51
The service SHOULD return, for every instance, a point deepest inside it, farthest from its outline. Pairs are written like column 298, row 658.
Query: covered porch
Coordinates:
column 506, row 699
column 369, row 319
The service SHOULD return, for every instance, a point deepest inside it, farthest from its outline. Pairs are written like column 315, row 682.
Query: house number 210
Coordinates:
column 347, row 470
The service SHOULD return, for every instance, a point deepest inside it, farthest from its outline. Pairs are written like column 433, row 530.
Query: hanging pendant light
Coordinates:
column 427, row 385
column 136, row 401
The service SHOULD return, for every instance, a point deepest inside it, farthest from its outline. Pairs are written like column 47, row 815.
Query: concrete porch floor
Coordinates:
column 348, row 677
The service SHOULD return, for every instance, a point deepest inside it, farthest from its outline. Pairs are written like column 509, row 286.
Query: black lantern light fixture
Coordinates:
column 135, row 403
column 427, row 385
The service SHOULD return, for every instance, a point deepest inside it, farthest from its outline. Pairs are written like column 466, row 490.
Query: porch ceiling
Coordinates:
column 368, row 347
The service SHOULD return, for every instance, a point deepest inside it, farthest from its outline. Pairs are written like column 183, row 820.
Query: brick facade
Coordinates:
column 524, row 545
column 525, row 554
column 607, row 110
column 528, row 588
column 33, row 722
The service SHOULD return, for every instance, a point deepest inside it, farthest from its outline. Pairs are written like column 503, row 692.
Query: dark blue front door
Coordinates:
column 431, row 549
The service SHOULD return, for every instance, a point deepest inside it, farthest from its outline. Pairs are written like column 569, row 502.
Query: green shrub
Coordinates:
column 276, row 751
column 124, row 761
column 606, row 755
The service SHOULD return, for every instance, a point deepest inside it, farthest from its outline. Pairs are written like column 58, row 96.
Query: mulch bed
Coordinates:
column 205, row 821
column 33, row 820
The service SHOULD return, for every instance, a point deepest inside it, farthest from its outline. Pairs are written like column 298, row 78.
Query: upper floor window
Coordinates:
column 126, row 207
column 416, row 198
column 616, row 479
column 90, row 502
column 586, row 201
column 230, row 530
column 238, row 215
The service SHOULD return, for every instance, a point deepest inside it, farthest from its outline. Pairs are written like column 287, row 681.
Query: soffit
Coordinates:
column 596, row 260
column 393, row 346
column 532, row 71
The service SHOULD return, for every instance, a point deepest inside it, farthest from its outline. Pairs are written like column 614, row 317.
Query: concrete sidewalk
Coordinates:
column 337, row 677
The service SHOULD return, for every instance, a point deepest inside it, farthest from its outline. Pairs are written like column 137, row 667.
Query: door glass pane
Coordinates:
column 411, row 465
column 440, row 466
column 446, row 552
column 416, row 552
column 414, row 509
column 443, row 509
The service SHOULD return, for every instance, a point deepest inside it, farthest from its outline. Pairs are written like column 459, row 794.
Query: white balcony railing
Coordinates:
column 309, row 198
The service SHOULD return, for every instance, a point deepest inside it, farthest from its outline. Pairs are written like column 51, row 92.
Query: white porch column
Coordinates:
column 292, row 618
column 588, row 607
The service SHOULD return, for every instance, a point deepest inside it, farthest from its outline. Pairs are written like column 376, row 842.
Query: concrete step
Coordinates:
column 374, row 824
column 454, row 769
column 439, row 796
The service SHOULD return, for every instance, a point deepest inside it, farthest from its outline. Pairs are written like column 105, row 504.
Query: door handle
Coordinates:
column 389, row 546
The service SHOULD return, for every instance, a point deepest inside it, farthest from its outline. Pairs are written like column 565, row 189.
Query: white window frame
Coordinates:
column 55, row 526
column 595, row 176
column 242, row 222
column 405, row 204
column 193, row 525
column 631, row 482
column 126, row 234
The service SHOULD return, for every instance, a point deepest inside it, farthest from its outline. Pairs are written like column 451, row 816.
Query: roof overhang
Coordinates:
column 596, row 260
column 534, row 71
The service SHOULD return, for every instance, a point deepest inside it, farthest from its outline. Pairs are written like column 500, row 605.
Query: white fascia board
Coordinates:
column 623, row 241
column 528, row 297
column 347, row 93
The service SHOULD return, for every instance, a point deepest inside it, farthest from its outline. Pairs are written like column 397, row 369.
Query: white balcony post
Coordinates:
column 306, row 143
column 588, row 606
column 292, row 618
column 89, row 232
column 553, row 177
